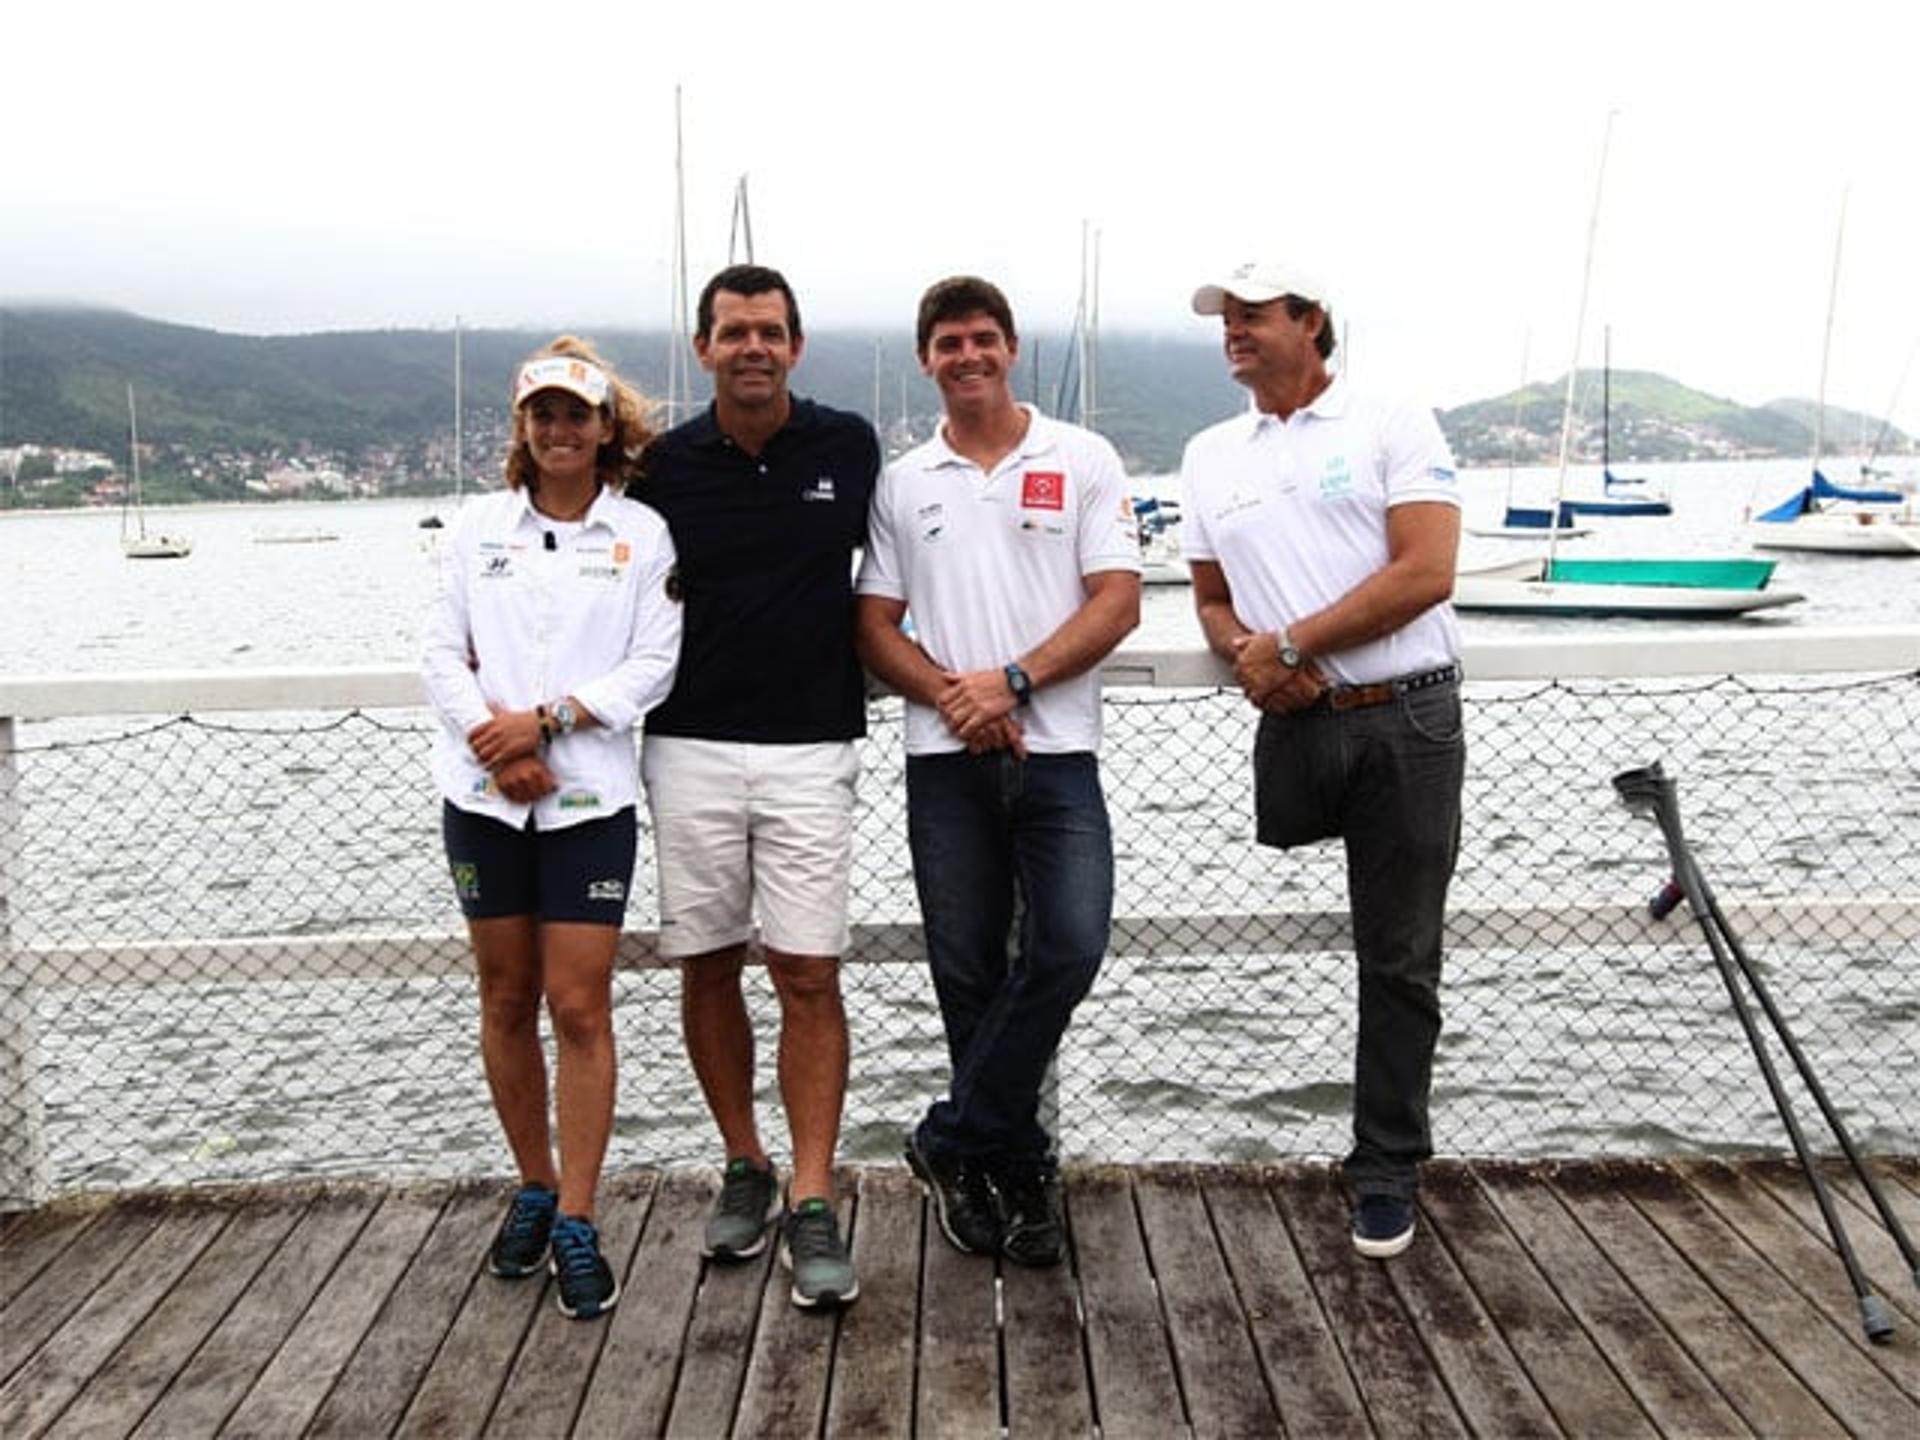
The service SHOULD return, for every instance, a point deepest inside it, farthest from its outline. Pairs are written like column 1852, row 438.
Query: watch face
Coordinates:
column 1290, row 657
column 563, row 716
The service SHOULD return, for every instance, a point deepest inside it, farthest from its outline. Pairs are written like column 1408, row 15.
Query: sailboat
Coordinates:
column 135, row 542
column 1620, row 495
column 1550, row 585
column 1839, row 518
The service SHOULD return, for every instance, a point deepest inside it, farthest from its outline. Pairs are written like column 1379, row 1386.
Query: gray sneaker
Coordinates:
column 737, row 1224
column 810, row 1247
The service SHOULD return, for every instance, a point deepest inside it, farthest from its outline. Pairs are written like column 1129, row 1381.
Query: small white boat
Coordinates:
column 1677, row 588
column 293, row 535
column 135, row 542
column 1847, row 532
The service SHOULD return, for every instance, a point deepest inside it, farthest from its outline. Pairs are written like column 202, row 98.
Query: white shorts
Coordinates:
column 744, row 832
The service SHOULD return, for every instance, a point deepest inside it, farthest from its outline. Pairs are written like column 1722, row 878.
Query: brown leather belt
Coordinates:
column 1359, row 697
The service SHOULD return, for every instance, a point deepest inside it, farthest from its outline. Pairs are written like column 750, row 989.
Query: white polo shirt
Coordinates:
column 1294, row 512
column 590, row 618
column 990, row 564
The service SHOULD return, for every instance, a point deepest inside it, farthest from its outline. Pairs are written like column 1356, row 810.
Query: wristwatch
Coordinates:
column 1020, row 683
column 1290, row 655
column 565, row 717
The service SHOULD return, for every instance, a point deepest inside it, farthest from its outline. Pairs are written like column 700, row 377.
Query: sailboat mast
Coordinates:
column 679, row 386
column 740, row 231
column 1606, row 404
column 459, row 435
column 133, row 453
column 1826, row 342
column 1579, row 325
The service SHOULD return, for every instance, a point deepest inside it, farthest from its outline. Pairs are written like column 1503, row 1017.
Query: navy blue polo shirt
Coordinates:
column 766, row 547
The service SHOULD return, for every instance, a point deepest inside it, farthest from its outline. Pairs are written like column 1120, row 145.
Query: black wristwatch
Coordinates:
column 1020, row 683
column 1290, row 655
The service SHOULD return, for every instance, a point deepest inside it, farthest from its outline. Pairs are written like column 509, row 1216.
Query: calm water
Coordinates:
column 74, row 603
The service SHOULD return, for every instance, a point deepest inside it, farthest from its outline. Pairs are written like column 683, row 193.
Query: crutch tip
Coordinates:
column 1874, row 1316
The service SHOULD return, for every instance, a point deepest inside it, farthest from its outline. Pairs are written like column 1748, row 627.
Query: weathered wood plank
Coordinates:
column 787, row 1380
column 104, row 1317
column 549, row 1378
column 1747, row 1373
column 1784, row 1182
column 45, row 1305
column 1862, row 1397
column 959, row 1348
column 632, row 1386
column 1302, row 1362
column 1220, row 1374
column 1561, row 1358
column 719, row 1342
column 34, row 1241
column 1136, row 1388
column 873, row 1374
column 457, row 1394
column 1397, row 1379
column 298, row 1378
column 379, row 1382
column 123, row 1389
column 1662, row 1376
column 1043, row 1358
column 1489, row 1385
column 1807, row 1261
column 225, row 1368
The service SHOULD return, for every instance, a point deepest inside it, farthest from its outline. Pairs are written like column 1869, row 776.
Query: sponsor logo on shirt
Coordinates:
column 606, row 889
column 932, row 520
column 821, row 489
column 579, row 800
column 599, row 572
column 1043, row 490
column 622, row 552
column 1440, row 474
column 497, row 567
column 1336, row 478
column 466, row 879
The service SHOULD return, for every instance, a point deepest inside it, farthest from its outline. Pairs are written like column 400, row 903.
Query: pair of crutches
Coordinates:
column 1649, row 791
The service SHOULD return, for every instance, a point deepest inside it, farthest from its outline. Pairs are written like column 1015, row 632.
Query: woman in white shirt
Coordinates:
column 556, row 630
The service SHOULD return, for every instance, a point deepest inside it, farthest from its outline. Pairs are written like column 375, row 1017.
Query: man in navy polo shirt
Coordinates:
column 750, row 763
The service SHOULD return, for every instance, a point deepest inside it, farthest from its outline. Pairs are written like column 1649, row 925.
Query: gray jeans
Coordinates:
column 1386, row 780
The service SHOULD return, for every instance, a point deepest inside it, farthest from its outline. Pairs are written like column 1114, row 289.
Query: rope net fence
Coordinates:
column 232, row 951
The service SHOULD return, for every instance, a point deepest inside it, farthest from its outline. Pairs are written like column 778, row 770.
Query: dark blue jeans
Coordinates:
column 997, row 839
column 1386, row 780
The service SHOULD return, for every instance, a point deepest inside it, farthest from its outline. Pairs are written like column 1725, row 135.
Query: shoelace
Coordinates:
column 739, row 1194
column 575, row 1247
column 525, row 1216
column 813, row 1235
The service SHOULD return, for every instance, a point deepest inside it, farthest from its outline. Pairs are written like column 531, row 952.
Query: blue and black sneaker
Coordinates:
column 586, row 1286
column 520, row 1245
column 1382, row 1226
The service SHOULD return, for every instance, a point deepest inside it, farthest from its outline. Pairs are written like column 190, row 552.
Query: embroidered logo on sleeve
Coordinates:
column 1043, row 490
column 821, row 489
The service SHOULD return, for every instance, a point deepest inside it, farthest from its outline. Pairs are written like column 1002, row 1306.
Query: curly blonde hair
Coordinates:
column 618, row 461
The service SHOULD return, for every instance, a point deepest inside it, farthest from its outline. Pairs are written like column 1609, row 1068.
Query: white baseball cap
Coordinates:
column 562, row 372
column 1257, row 282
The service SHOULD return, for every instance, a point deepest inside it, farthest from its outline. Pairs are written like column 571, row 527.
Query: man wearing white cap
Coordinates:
column 1322, row 527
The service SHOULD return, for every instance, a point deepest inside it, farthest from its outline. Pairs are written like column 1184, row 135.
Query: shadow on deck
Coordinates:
column 1585, row 1298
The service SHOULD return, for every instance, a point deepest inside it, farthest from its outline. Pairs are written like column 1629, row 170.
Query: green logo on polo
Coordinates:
column 1335, row 478
column 579, row 800
column 466, row 879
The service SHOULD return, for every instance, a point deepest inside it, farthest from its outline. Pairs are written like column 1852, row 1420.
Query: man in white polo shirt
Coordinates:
column 1011, row 539
column 1322, row 527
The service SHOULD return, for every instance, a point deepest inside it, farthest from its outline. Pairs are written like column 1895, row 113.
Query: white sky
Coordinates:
column 266, row 167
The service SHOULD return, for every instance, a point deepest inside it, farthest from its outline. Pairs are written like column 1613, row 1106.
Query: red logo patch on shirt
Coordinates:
column 1043, row 490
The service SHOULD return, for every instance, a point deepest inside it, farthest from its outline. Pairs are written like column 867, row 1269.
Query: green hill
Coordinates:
column 349, row 396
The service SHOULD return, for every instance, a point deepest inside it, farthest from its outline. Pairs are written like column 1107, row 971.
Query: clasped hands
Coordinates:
column 978, row 708
column 1268, row 684
column 508, row 744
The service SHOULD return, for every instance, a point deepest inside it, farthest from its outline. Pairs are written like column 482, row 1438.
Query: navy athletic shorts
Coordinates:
column 581, row 873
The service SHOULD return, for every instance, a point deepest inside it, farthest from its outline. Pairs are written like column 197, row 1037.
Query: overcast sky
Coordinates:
column 266, row 167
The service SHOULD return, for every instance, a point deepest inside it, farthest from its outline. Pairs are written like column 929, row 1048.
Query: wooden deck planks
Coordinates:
column 1626, row 1297
column 1823, row 1356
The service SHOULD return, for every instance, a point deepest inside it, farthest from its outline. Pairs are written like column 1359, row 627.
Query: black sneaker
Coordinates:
column 1036, row 1228
column 963, row 1199
column 1382, row 1225
column 810, row 1247
column 737, row 1224
column 520, row 1245
column 586, row 1286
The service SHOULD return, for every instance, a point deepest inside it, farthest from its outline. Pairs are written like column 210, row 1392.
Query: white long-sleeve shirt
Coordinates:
column 520, row 624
